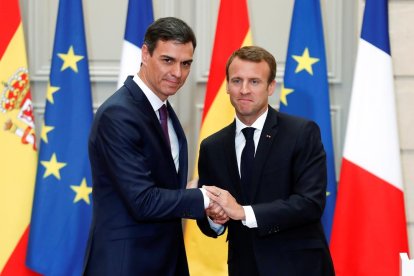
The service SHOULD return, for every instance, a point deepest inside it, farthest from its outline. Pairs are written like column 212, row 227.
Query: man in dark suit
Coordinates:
column 138, row 155
column 276, row 198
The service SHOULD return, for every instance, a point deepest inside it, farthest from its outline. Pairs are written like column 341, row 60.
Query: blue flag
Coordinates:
column 62, row 204
column 139, row 17
column 305, row 91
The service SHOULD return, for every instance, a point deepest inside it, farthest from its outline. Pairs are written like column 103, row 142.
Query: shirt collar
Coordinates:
column 155, row 102
column 258, row 124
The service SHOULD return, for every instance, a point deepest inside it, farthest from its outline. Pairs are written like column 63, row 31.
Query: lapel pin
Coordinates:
column 268, row 136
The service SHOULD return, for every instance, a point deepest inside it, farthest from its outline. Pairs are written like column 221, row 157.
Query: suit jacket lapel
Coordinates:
column 182, row 143
column 139, row 96
column 263, row 148
column 234, row 186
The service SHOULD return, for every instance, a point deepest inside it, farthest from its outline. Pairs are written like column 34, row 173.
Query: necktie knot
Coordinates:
column 248, row 133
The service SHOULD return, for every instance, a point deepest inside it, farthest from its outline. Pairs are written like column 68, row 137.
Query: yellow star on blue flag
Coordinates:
column 82, row 192
column 70, row 60
column 52, row 166
column 305, row 62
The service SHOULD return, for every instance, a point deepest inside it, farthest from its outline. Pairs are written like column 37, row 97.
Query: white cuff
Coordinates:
column 250, row 220
column 205, row 197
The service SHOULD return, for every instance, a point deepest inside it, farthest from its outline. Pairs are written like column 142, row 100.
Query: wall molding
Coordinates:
column 103, row 61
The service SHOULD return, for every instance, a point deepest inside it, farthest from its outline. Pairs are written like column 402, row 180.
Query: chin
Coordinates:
column 172, row 92
column 172, row 89
column 168, row 90
column 245, row 111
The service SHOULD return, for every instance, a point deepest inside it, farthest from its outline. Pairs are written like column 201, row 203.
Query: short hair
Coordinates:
column 254, row 54
column 166, row 29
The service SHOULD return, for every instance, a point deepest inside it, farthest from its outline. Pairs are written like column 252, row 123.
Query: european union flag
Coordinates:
column 305, row 91
column 62, row 204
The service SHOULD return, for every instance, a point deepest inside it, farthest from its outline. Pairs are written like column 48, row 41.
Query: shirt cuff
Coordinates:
column 218, row 228
column 205, row 197
column 250, row 220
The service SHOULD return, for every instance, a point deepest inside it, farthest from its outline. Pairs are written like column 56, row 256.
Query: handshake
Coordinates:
column 223, row 206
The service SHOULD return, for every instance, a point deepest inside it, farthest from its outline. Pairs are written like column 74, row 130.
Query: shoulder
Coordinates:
column 295, row 123
column 127, row 100
column 116, row 105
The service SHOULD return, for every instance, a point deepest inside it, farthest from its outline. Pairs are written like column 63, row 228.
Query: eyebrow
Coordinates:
column 169, row 57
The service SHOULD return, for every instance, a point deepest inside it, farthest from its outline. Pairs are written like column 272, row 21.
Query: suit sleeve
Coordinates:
column 118, row 144
column 205, row 178
column 307, row 181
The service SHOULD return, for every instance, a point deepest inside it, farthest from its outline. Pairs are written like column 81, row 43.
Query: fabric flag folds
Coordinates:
column 140, row 15
column 17, row 143
column 208, row 256
column 62, row 203
column 369, row 229
column 305, row 90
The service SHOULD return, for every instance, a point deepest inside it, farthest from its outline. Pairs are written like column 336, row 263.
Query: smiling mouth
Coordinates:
column 173, row 82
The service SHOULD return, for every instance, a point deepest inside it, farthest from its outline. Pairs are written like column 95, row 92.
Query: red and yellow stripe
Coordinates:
column 208, row 256
column 17, row 159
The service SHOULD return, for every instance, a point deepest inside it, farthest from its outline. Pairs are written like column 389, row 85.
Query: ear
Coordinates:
column 227, row 87
column 144, row 54
column 271, row 88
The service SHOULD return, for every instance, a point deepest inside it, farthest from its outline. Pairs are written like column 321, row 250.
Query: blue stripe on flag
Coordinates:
column 140, row 16
column 375, row 25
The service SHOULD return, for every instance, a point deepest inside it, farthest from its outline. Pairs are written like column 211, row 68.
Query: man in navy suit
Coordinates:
column 138, row 155
column 271, row 182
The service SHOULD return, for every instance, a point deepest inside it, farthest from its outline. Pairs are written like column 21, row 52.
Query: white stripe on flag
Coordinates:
column 130, row 61
column 371, row 139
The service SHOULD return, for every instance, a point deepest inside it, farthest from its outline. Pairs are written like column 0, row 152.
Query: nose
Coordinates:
column 176, row 70
column 244, row 88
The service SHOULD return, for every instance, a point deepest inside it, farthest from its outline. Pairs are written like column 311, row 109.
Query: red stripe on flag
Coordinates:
column 9, row 21
column 16, row 266
column 369, row 229
column 231, row 30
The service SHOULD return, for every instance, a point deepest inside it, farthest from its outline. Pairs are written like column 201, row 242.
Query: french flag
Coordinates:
column 369, row 229
column 140, row 16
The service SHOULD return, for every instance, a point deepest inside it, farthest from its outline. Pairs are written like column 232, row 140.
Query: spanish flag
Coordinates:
column 17, row 143
column 207, row 256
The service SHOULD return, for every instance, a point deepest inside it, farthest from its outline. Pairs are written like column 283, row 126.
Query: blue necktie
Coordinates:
column 246, row 163
column 164, row 123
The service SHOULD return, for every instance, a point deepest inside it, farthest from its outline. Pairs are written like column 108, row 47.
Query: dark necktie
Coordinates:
column 246, row 162
column 164, row 123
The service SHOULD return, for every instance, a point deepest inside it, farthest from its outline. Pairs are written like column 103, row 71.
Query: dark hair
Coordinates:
column 254, row 54
column 168, row 28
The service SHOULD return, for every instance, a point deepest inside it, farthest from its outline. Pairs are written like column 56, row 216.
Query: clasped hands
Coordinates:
column 223, row 206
